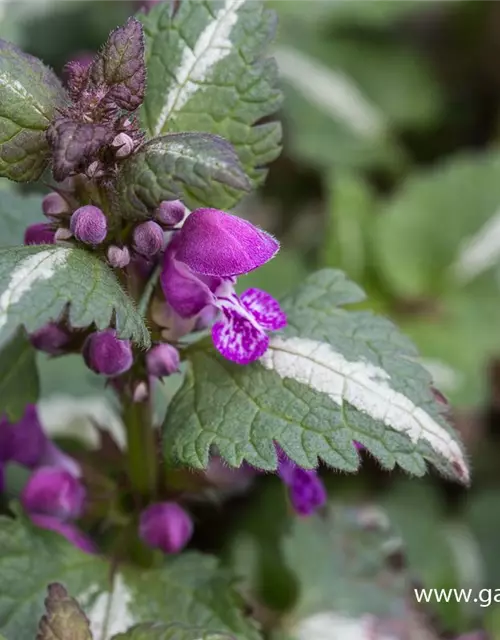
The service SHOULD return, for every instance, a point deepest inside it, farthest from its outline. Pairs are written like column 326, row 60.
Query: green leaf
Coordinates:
column 30, row 93
column 189, row 590
column 190, row 166
column 19, row 384
column 459, row 198
column 335, row 377
column 154, row 631
column 361, row 549
column 64, row 617
column 208, row 71
column 17, row 211
column 38, row 282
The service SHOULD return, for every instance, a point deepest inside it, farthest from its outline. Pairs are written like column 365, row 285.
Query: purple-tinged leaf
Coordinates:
column 120, row 66
column 75, row 144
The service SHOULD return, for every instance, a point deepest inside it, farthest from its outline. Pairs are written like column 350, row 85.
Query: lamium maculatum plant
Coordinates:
column 131, row 263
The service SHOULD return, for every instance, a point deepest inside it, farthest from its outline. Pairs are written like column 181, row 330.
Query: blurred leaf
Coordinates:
column 64, row 617
column 483, row 516
column 314, row 392
column 189, row 590
column 17, row 211
column 441, row 229
column 153, row 631
column 19, row 383
column 351, row 213
column 278, row 276
column 208, row 71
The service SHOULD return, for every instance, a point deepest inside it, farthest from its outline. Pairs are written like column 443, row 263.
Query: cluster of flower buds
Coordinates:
column 54, row 495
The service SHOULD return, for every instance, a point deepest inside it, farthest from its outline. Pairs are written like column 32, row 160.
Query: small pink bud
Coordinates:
column 95, row 170
column 54, row 492
column 39, row 233
column 50, row 339
column 118, row 257
column 148, row 238
column 89, row 224
column 54, row 205
column 124, row 145
column 166, row 526
column 162, row 360
column 62, row 235
column 170, row 213
column 141, row 393
column 106, row 354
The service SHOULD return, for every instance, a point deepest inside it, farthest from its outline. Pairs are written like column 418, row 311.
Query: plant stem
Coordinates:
column 142, row 456
column 148, row 290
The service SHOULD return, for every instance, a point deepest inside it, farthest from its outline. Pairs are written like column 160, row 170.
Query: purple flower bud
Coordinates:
column 62, row 235
column 307, row 492
column 54, row 205
column 89, row 224
column 39, row 233
column 148, row 238
column 162, row 360
column 69, row 531
column 170, row 212
column 166, row 526
column 215, row 243
column 118, row 257
column 123, row 144
column 54, row 492
column 106, row 354
column 50, row 339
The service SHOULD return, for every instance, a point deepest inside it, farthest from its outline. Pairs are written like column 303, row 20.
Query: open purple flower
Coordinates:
column 54, row 492
column 240, row 334
column 307, row 492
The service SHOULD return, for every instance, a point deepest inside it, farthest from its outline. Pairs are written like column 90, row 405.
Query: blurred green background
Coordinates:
column 391, row 172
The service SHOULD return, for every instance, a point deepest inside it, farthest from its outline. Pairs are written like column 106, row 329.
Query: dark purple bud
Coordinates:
column 54, row 492
column 162, row 360
column 118, row 257
column 106, row 354
column 50, row 338
column 170, row 213
column 120, row 66
column 69, row 531
column 215, row 243
column 148, row 238
column 54, row 205
column 123, row 144
column 307, row 491
column 166, row 526
column 39, row 233
column 75, row 145
column 23, row 442
column 89, row 224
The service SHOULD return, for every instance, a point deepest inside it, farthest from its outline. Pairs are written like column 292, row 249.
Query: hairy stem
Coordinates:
column 142, row 456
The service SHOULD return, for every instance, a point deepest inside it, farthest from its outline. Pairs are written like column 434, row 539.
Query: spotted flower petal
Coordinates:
column 238, row 336
column 264, row 308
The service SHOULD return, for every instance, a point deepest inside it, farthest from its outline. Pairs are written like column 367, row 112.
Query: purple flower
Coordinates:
column 148, row 238
column 240, row 334
column 50, row 338
column 54, row 492
column 307, row 492
column 69, row 531
column 89, row 225
column 166, row 526
column 170, row 213
column 39, row 233
column 26, row 443
column 215, row 243
column 106, row 354
column 118, row 257
column 54, row 205
column 162, row 360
